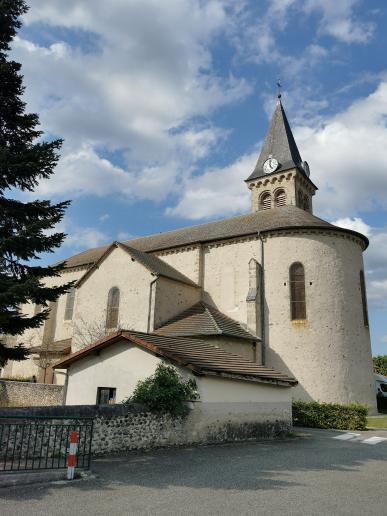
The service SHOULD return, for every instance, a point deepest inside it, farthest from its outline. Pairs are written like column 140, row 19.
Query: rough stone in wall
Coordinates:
column 145, row 430
column 121, row 428
column 25, row 394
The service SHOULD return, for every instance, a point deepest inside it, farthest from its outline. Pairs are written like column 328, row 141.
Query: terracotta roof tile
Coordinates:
column 202, row 358
column 203, row 319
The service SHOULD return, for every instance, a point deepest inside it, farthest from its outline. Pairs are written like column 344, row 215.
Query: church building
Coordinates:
column 276, row 295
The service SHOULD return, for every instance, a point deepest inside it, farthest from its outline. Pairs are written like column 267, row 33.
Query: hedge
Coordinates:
column 330, row 415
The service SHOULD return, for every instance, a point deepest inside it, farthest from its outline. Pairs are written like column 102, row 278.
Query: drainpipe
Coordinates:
column 150, row 302
column 262, row 299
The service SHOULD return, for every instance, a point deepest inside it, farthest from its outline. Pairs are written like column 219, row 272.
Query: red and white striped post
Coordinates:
column 72, row 455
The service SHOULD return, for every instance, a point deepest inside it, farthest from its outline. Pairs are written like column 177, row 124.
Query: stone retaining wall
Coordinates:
column 122, row 428
column 25, row 394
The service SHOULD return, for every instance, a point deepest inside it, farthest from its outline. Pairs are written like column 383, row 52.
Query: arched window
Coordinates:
column 113, row 306
column 70, row 298
column 280, row 198
column 364, row 298
column 306, row 203
column 265, row 201
column 297, row 291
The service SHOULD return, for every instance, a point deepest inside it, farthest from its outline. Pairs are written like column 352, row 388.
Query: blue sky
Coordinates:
column 163, row 107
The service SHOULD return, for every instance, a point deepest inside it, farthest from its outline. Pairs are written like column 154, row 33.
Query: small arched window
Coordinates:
column 113, row 306
column 280, row 198
column 297, row 291
column 306, row 203
column 265, row 201
column 69, row 309
column 364, row 298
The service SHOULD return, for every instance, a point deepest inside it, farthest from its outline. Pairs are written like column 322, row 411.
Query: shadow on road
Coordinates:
column 244, row 466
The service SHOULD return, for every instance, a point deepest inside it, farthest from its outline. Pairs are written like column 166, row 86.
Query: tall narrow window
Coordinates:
column 297, row 291
column 280, row 198
column 265, row 201
column 364, row 298
column 113, row 306
column 306, row 203
column 69, row 309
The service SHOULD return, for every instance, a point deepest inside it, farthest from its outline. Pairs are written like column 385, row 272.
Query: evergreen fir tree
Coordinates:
column 26, row 228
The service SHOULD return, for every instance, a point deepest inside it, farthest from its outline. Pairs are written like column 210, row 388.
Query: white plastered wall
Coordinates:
column 226, row 276
column 172, row 298
column 133, row 280
column 123, row 364
column 119, row 366
column 329, row 353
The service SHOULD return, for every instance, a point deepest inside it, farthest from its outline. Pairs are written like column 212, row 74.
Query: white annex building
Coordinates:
column 268, row 297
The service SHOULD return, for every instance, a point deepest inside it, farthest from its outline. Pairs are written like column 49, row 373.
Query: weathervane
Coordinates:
column 279, row 86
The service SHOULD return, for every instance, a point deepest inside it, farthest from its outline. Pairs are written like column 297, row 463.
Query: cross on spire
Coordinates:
column 279, row 88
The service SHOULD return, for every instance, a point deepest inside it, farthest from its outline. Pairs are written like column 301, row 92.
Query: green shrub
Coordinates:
column 165, row 391
column 330, row 415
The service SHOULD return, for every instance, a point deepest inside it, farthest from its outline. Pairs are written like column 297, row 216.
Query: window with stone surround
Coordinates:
column 69, row 309
column 113, row 307
column 364, row 298
column 297, row 291
column 265, row 201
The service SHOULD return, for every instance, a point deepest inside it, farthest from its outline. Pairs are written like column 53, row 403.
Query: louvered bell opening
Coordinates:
column 266, row 202
column 280, row 199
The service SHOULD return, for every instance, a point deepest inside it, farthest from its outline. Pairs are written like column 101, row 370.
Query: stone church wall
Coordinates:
column 226, row 275
column 330, row 352
column 172, row 298
column 133, row 280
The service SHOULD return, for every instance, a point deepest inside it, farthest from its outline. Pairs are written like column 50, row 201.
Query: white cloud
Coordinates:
column 356, row 224
column 338, row 20
column 375, row 258
column 218, row 191
column 347, row 154
column 85, row 238
column 104, row 217
column 149, row 76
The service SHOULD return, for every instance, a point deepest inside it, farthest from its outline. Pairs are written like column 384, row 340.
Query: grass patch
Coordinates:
column 377, row 422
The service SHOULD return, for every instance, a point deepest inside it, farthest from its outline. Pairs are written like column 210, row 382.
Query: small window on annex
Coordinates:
column 265, row 202
column 280, row 198
column 106, row 395
column 297, row 292
column 69, row 309
column 113, row 307
column 364, row 298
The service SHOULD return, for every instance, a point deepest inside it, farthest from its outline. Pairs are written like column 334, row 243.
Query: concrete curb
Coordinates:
column 17, row 478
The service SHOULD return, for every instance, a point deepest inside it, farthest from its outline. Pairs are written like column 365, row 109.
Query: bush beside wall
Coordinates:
column 330, row 415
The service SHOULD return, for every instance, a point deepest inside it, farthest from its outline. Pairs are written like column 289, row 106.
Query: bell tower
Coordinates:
column 280, row 177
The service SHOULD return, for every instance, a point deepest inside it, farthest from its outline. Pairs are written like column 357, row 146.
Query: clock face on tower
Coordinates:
column 270, row 165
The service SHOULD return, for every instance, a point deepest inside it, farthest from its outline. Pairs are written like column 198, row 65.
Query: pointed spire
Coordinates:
column 279, row 144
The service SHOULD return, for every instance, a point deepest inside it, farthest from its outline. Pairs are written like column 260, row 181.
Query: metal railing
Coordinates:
column 39, row 442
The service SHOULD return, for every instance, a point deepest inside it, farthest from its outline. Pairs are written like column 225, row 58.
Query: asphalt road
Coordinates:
column 312, row 474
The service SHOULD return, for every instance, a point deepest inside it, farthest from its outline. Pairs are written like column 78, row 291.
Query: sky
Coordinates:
column 163, row 107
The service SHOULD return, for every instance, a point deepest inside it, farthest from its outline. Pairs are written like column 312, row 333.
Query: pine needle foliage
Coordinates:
column 26, row 228
column 165, row 391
